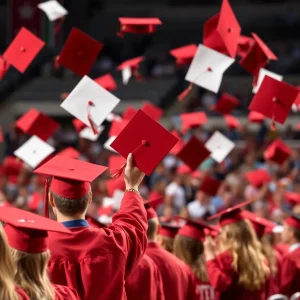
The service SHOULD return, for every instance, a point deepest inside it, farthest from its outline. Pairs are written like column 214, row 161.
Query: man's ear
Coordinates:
column 90, row 197
column 51, row 201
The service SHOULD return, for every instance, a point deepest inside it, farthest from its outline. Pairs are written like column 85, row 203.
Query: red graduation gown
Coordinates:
column 179, row 283
column 224, row 280
column 145, row 281
column 274, row 282
column 65, row 293
column 96, row 261
column 290, row 273
column 206, row 291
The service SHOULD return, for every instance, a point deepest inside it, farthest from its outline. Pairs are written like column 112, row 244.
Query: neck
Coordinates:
column 293, row 242
column 61, row 218
column 152, row 239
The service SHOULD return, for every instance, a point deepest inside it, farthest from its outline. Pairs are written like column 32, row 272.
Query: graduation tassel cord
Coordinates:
column 59, row 25
column 46, row 200
column 137, row 75
column 116, row 173
column 92, row 123
column 121, row 33
column 273, row 124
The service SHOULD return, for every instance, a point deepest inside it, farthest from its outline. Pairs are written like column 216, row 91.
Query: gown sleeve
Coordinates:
column 288, row 271
column 65, row 293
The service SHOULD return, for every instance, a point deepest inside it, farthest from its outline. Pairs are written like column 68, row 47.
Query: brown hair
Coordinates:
column 191, row 251
column 152, row 228
column 269, row 254
column 248, row 260
column 7, row 270
column 296, row 233
column 70, row 207
column 32, row 274
column 166, row 243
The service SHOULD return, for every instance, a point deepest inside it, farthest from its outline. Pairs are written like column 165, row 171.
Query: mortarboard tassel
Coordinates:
column 92, row 123
column 116, row 173
column 59, row 25
column 184, row 94
column 137, row 75
column 46, row 200
column 273, row 124
column 121, row 33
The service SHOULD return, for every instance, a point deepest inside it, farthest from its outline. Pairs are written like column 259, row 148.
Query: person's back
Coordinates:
column 145, row 281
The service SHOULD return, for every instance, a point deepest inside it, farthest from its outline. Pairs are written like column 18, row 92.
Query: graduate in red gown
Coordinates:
column 166, row 235
column 94, row 261
column 237, row 269
column 27, row 235
column 290, row 274
column 179, row 282
column 188, row 247
column 145, row 281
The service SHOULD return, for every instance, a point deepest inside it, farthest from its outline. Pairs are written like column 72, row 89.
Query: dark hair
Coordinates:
column 297, row 234
column 70, row 207
column 152, row 228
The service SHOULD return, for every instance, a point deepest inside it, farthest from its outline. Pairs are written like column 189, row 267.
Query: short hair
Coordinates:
column 70, row 207
column 296, row 234
column 152, row 228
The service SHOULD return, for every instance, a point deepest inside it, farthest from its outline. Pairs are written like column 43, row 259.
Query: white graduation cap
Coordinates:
column 108, row 143
column 53, row 9
column 126, row 75
column 262, row 73
column 207, row 68
column 278, row 229
column 88, row 134
column 34, row 151
column 111, row 117
column 90, row 101
column 219, row 146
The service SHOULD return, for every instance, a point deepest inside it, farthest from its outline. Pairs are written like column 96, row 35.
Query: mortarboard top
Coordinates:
column 210, row 185
column 79, row 52
column 191, row 120
column 168, row 230
column 226, row 104
column 36, row 123
column 293, row 220
column 12, row 167
column 88, row 133
column 257, row 57
column 207, row 68
column 152, row 111
column 4, row 67
column 107, row 82
column 23, row 49
column 115, row 161
column 146, row 139
column 278, row 152
column 28, row 232
column 138, row 25
column 70, row 152
column 193, row 153
column 222, row 31
column 274, row 99
column 114, row 184
column 90, row 103
column 194, row 229
column 231, row 215
column 245, row 43
column 259, row 224
column 129, row 113
column 53, row 9
column 258, row 177
column 232, row 122
column 184, row 55
column 116, row 127
column 292, row 197
column 34, row 151
column 256, row 117
column 262, row 73
column 78, row 125
column 130, row 63
column 219, row 146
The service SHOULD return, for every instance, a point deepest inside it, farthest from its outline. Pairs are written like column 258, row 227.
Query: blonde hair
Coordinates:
column 32, row 275
column 248, row 260
column 269, row 253
column 166, row 243
column 7, row 270
column 191, row 251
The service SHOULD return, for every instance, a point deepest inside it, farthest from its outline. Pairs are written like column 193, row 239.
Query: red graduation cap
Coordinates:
column 226, row 104
column 231, row 215
column 151, row 213
column 293, row 221
column 184, row 55
column 107, row 82
column 292, row 197
column 274, row 99
column 114, row 184
column 35, row 201
column 138, row 25
column 255, row 117
column 146, row 139
column 278, row 152
column 115, row 161
column 70, row 152
column 183, row 170
column 153, row 111
column 178, row 145
column 245, row 43
column 194, row 229
column 191, row 120
column 116, row 127
column 12, row 167
column 133, row 64
column 23, row 49
column 210, row 185
column 79, row 52
column 232, row 122
column 222, row 31
column 258, row 177
column 71, row 178
column 193, row 153
column 257, row 57
column 79, row 126
column 4, row 66
column 168, row 230
column 129, row 113
column 36, row 123
column 28, row 232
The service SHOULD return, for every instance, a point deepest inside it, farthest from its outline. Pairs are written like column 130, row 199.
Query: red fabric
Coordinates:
column 178, row 280
column 65, row 293
column 155, row 195
column 293, row 222
column 224, row 280
column 22, row 294
column 290, row 273
column 274, row 282
column 206, row 291
column 282, row 249
column 95, row 261
column 145, row 281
